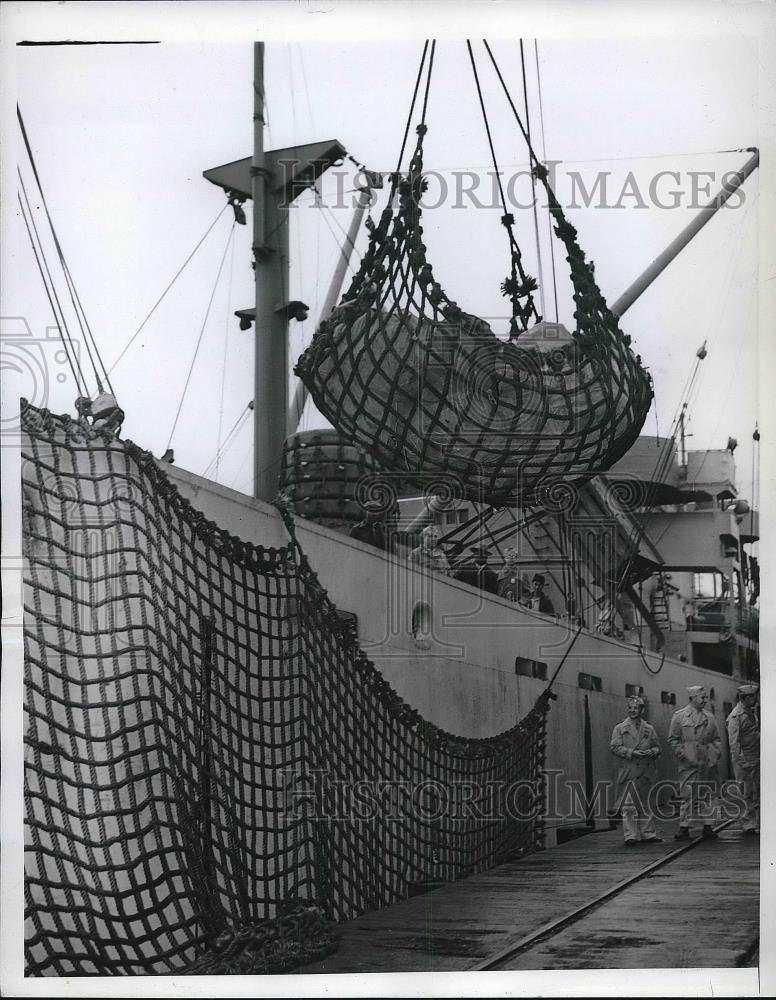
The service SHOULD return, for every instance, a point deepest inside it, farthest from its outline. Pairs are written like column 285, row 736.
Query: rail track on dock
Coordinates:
column 517, row 954
column 590, row 903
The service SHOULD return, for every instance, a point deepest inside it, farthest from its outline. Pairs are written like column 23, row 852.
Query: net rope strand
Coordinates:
column 183, row 691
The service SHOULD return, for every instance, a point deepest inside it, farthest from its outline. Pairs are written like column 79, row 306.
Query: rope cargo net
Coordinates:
column 399, row 368
column 176, row 679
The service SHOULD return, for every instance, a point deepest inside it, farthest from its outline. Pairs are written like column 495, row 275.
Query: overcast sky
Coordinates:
column 122, row 134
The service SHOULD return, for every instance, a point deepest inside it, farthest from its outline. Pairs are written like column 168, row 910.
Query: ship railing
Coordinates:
column 715, row 619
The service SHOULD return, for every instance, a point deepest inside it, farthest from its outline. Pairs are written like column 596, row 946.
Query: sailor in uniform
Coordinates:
column 635, row 743
column 510, row 585
column 695, row 741
column 743, row 727
column 430, row 554
column 538, row 600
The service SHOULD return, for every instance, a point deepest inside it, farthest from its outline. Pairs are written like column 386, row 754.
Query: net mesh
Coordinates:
column 197, row 716
column 401, row 369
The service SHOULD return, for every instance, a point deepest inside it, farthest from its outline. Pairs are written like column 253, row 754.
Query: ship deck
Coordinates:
column 591, row 903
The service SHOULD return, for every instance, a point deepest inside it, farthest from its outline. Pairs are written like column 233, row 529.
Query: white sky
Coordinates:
column 122, row 134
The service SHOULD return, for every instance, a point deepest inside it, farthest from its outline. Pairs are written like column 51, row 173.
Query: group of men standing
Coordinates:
column 695, row 742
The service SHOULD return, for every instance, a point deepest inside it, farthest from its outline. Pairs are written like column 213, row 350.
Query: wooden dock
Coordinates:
column 699, row 908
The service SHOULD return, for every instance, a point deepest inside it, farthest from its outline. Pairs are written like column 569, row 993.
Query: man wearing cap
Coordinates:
column 430, row 554
column 695, row 741
column 510, row 586
column 538, row 600
column 743, row 727
column 635, row 743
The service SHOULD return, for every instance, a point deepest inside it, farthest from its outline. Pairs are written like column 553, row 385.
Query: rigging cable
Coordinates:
column 659, row 472
column 229, row 440
column 300, row 53
column 201, row 333
column 223, row 363
column 692, row 383
column 544, row 160
column 86, row 332
column 51, row 294
column 691, row 386
column 169, row 286
column 323, row 208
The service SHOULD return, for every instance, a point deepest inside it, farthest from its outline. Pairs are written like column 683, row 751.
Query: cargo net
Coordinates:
column 401, row 369
column 197, row 716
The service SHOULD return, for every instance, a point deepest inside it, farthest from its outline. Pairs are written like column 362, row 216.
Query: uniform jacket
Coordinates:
column 630, row 735
column 509, row 585
column 540, row 602
column 743, row 736
column 695, row 741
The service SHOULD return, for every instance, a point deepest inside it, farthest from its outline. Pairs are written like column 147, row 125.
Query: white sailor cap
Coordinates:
column 749, row 689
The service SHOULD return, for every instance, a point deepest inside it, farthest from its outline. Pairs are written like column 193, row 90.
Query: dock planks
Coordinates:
column 700, row 910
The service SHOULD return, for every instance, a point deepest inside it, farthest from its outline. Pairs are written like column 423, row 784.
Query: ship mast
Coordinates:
column 270, row 261
column 272, row 179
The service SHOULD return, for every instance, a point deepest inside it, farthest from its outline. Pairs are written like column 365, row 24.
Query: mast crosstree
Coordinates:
column 272, row 179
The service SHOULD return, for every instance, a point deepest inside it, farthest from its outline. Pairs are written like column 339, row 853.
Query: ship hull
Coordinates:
column 473, row 663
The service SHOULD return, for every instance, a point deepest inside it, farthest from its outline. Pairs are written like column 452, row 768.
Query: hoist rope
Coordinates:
column 428, row 82
column 533, row 183
column 544, row 158
column 412, row 108
column 169, row 286
column 86, row 332
column 201, row 333
column 535, row 162
column 364, row 370
column 508, row 222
